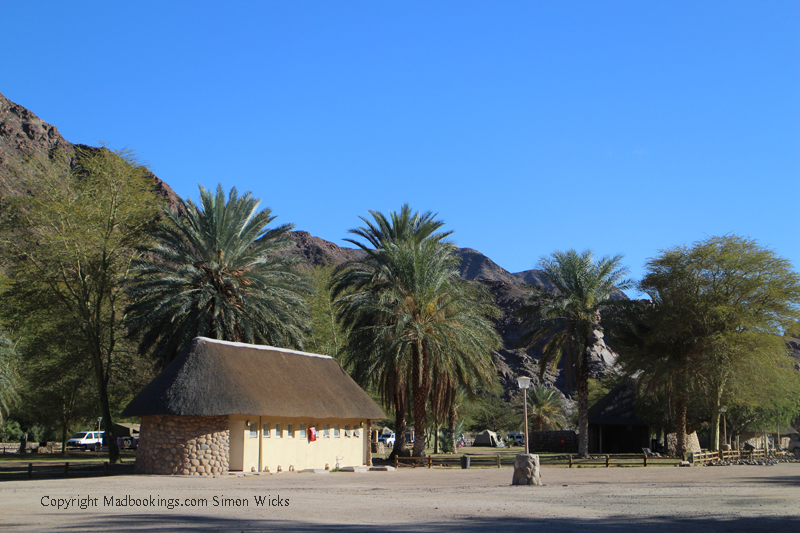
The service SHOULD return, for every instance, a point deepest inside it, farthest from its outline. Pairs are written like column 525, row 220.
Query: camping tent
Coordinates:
column 487, row 438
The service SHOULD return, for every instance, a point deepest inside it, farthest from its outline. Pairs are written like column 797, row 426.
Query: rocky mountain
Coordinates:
column 25, row 138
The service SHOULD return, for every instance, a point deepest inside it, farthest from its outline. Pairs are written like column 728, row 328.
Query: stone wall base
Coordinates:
column 185, row 445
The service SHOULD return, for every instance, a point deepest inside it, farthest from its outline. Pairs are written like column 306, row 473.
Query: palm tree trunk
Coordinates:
column 680, row 426
column 399, row 424
column 422, row 383
column 583, row 408
column 451, row 426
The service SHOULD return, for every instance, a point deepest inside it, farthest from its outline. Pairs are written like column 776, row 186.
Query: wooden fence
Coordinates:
column 732, row 455
column 608, row 461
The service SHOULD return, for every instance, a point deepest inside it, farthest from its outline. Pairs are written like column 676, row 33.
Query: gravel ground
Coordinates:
column 733, row 498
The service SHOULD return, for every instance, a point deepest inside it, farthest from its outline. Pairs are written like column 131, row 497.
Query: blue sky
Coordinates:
column 624, row 127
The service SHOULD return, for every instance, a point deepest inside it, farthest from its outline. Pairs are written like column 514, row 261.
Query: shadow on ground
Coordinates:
column 202, row 524
column 789, row 481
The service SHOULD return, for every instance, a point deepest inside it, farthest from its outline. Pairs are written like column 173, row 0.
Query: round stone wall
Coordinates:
column 185, row 445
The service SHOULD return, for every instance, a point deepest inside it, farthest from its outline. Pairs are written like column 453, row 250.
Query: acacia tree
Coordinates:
column 69, row 243
column 720, row 308
column 564, row 321
column 8, row 375
column 215, row 271
column 408, row 315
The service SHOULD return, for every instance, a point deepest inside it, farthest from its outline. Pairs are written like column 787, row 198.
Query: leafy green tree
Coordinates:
column 564, row 321
column 325, row 336
column 490, row 411
column 408, row 315
column 735, row 299
column 9, row 378
column 656, row 343
column 70, row 243
column 216, row 271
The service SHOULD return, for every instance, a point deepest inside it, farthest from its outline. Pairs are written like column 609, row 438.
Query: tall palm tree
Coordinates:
column 408, row 314
column 215, row 272
column 563, row 321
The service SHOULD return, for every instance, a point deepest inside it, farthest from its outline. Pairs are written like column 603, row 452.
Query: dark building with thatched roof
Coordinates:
column 223, row 406
column 613, row 424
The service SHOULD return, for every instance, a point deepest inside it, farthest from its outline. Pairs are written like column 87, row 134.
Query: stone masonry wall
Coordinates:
column 185, row 445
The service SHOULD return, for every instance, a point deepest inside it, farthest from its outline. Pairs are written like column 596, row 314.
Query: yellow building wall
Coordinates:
column 259, row 452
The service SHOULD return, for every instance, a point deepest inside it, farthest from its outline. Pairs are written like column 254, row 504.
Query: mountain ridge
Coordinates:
column 24, row 137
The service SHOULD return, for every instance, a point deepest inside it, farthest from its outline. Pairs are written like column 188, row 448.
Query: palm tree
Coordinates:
column 409, row 317
column 563, row 321
column 216, row 272
column 546, row 409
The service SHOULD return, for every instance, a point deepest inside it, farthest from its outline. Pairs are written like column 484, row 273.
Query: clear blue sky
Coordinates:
column 624, row 127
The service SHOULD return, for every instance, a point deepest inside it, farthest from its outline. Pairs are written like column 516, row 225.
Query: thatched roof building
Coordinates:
column 223, row 406
column 212, row 378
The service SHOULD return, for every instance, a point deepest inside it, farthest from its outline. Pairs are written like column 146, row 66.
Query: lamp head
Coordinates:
column 524, row 382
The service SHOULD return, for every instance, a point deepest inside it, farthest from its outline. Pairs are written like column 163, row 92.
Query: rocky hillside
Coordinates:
column 25, row 138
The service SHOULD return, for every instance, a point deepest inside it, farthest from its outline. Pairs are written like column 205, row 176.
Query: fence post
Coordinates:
column 570, row 461
column 105, row 468
column 30, row 470
column 607, row 457
column 66, row 468
column 498, row 461
column 645, row 460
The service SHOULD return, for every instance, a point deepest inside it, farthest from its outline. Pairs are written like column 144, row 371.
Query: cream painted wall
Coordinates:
column 260, row 452
column 236, row 459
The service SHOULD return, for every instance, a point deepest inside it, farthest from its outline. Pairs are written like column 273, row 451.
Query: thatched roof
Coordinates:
column 617, row 407
column 212, row 377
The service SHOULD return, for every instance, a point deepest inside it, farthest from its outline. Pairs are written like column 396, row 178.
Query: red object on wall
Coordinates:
column 312, row 434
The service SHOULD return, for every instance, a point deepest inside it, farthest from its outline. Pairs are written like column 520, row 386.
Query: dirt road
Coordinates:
column 704, row 499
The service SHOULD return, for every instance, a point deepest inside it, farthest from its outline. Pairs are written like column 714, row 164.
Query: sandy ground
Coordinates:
column 735, row 498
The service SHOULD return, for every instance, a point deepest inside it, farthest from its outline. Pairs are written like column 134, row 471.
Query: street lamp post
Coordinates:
column 524, row 383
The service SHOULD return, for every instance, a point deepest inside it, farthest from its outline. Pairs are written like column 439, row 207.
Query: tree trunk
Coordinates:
column 399, row 425
column 108, row 424
column 421, row 383
column 436, row 439
column 583, row 408
column 715, row 417
column 451, row 426
column 680, row 426
column 64, row 438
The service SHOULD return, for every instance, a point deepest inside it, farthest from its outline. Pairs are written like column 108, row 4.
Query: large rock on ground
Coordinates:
column 526, row 470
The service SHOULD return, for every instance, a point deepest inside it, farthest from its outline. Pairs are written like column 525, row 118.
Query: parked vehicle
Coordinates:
column 127, row 435
column 86, row 440
column 515, row 438
column 387, row 438
column 794, row 444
